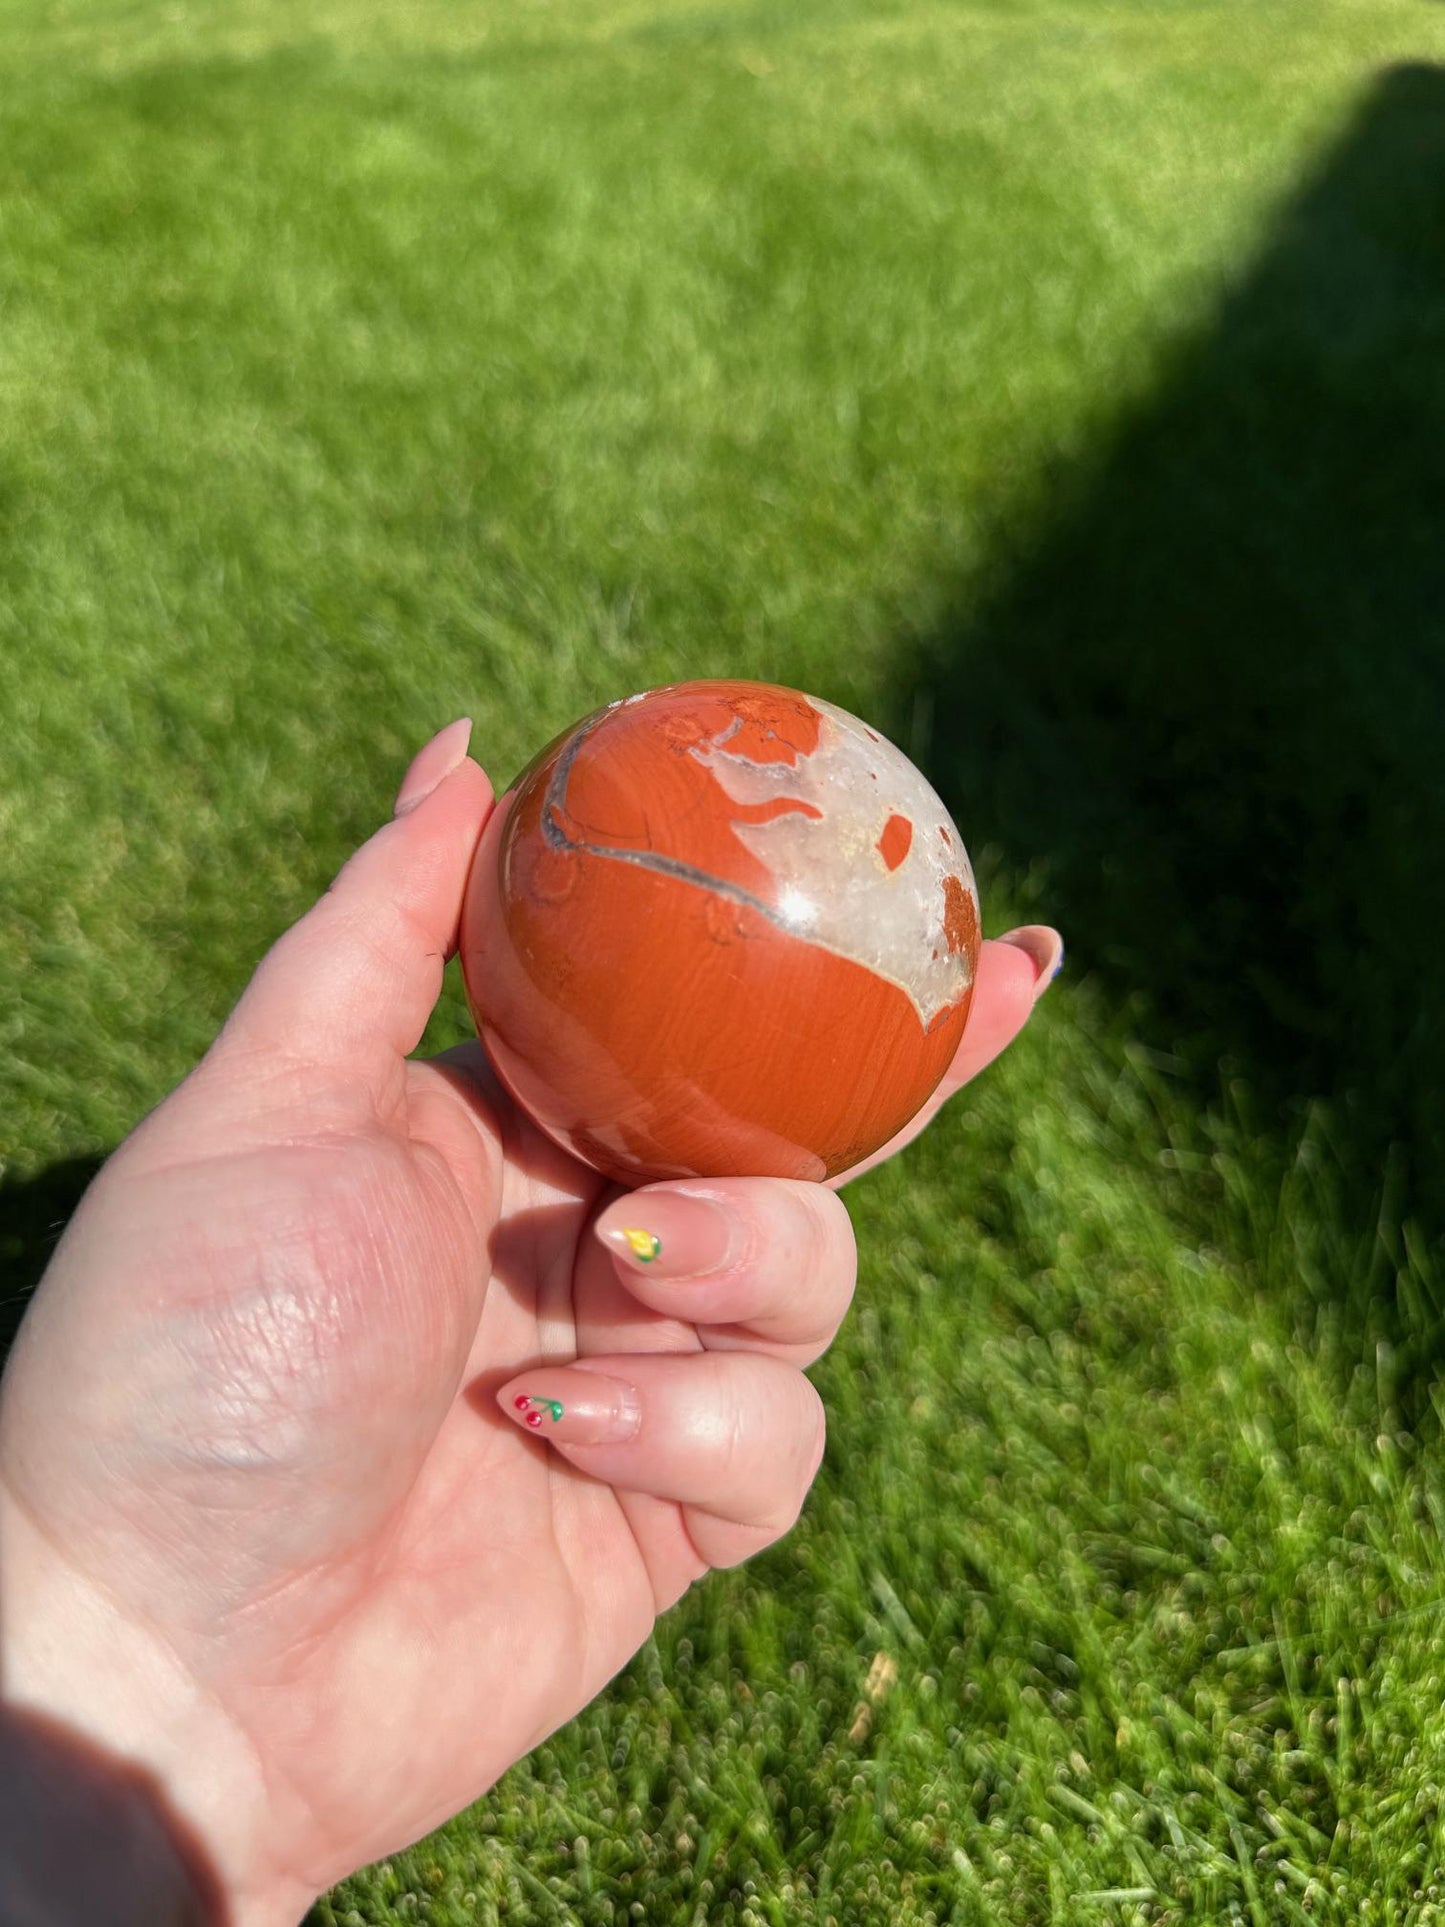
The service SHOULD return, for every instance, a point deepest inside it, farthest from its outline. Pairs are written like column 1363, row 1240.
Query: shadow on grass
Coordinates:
column 1207, row 707
column 33, row 1213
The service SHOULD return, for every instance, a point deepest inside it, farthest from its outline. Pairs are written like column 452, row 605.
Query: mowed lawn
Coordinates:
column 1061, row 384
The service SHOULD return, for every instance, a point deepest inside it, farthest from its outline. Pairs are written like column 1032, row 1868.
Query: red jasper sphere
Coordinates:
column 720, row 929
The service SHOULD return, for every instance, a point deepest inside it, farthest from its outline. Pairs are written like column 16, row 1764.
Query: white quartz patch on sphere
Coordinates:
column 862, row 864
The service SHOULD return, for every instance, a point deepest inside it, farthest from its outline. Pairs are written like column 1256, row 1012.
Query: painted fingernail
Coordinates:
column 1044, row 947
column 573, row 1407
column 669, row 1234
column 433, row 764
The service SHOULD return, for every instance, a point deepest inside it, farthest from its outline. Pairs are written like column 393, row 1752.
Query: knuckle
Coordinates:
column 723, row 1543
column 831, row 1251
column 814, row 1439
column 802, row 1454
column 824, row 1213
column 822, row 1225
column 734, row 1448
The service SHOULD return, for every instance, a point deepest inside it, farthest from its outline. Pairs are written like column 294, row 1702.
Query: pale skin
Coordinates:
column 278, row 1552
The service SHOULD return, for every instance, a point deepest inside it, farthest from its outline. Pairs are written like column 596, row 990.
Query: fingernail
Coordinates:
column 573, row 1407
column 669, row 1234
column 1045, row 947
column 433, row 764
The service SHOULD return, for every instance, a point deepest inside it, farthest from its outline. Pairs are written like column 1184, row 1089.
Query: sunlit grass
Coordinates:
column 364, row 365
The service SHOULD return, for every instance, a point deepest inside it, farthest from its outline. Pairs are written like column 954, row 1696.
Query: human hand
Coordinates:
column 348, row 1448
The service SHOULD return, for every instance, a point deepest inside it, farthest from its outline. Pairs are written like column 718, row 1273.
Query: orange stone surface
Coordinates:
column 720, row 929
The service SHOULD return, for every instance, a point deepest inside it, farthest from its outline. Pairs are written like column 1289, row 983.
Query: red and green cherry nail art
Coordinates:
column 646, row 1245
column 600, row 1410
column 533, row 1408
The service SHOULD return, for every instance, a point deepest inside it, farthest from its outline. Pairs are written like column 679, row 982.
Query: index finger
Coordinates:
column 755, row 1264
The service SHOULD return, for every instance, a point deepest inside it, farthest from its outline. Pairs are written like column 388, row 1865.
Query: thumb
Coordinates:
column 348, row 990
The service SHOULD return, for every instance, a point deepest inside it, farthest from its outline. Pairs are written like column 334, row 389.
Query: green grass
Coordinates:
column 1059, row 383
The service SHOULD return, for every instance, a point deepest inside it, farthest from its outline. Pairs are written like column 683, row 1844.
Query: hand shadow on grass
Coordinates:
column 1207, row 708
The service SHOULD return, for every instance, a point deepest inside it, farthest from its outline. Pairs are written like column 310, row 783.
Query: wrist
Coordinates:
column 132, row 1775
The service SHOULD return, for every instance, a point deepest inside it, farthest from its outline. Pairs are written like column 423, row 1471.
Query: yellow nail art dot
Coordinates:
column 644, row 1243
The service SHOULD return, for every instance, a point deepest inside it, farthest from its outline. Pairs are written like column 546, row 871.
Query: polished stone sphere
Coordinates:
column 720, row 929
